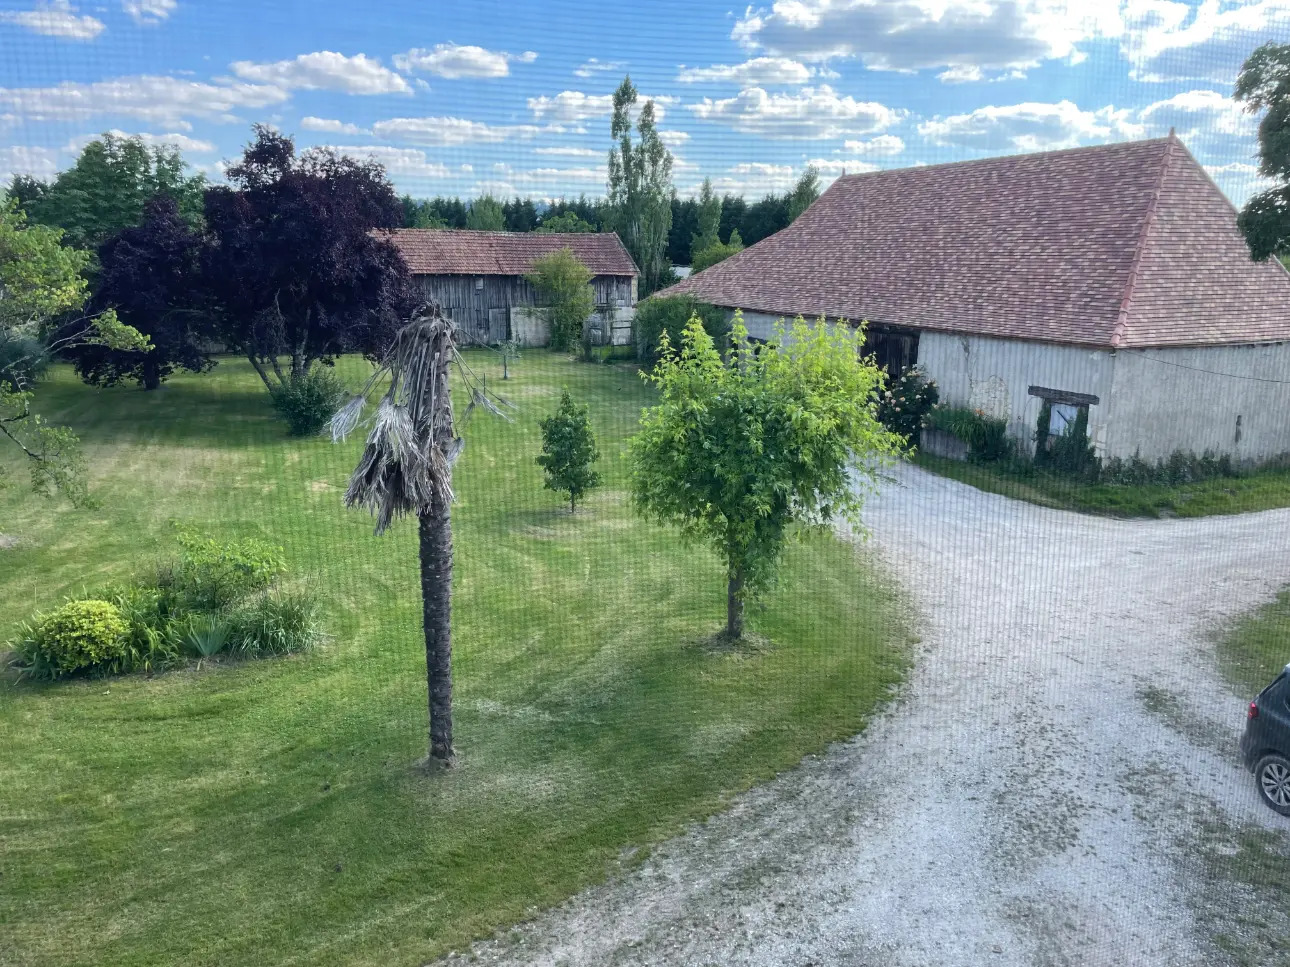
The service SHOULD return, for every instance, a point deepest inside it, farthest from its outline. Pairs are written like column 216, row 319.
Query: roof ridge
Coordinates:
column 1082, row 148
column 1148, row 220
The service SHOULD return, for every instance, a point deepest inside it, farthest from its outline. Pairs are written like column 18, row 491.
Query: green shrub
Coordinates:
column 307, row 401
column 210, row 575
column 1179, row 468
column 80, row 636
column 1071, row 453
column 207, row 634
column 905, row 404
column 716, row 252
column 671, row 313
column 986, row 436
column 277, row 622
column 152, row 640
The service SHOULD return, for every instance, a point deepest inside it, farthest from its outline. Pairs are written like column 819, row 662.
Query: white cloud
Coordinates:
column 574, row 107
column 595, row 66
column 1166, row 40
column 842, row 166
column 812, row 113
column 571, row 107
column 673, row 139
column 883, row 144
column 149, row 11
column 325, row 70
column 403, row 162
column 1239, row 180
column 1199, row 115
column 570, row 152
column 312, row 123
column 215, row 171
column 548, row 176
column 449, row 130
column 55, row 18
column 1031, row 127
column 542, row 184
column 756, row 178
column 758, row 72
column 154, row 99
column 21, row 160
column 457, row 60
column 174, row 140
column 915, row 34
column 971, row 74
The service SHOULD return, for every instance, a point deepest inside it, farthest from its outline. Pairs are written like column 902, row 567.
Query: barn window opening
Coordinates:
column 894, row 350
column 1063, row 413
column 1061, row 416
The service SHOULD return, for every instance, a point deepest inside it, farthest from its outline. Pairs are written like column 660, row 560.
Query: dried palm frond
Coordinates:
column 406, row 464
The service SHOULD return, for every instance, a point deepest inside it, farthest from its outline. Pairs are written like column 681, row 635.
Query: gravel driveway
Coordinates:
column 1054, row 787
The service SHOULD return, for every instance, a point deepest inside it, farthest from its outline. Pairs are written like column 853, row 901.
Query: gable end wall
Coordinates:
column 1171, row 399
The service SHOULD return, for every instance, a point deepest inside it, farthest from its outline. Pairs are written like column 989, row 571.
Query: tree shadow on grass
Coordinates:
column 203, row 411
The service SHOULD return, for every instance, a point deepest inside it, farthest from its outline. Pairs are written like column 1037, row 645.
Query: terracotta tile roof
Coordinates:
column 431, row 251
column 1118, row 245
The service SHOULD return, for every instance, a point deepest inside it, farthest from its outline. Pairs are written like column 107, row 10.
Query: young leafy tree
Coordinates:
column 804, row 192
column 742, row 448
column 406, row 468
column 149, row 274
column 661, row 314
column 485, row 215
column 718, row 252
column 569, row 450
column 640, row 188
column 709, row 223
column 563, row 223
column 563, row 286
column 294, row 268
column 107, row 187
column 1264, row 85
column 42, row 284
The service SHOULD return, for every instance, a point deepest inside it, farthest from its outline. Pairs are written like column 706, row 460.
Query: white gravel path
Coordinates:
column 1041, row 793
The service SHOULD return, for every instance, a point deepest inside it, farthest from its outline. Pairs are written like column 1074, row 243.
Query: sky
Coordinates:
column 466, row 98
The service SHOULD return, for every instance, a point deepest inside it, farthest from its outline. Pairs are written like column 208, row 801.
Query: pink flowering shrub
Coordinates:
column 905, row 402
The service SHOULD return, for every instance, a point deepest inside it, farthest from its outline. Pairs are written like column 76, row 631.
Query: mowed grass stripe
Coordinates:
column 200, row 817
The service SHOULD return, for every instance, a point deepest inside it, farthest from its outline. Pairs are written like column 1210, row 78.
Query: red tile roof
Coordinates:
column 430, row 251
column 1121, row 245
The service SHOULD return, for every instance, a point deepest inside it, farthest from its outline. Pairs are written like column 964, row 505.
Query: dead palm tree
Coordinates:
column 406, row 468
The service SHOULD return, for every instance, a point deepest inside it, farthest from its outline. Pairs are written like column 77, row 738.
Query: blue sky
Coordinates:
column 513, row 98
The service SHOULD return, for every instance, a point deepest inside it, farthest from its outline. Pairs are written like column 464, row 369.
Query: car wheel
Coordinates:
column 1273, row 777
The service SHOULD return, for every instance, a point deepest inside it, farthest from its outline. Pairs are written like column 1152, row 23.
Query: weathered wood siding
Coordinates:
column 481, row 304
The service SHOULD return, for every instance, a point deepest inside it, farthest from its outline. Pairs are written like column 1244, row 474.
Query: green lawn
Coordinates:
column 1261, row 490
column 1255, row 649
column 271, row 812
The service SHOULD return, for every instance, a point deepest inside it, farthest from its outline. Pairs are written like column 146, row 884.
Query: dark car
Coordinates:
column 1265, row 745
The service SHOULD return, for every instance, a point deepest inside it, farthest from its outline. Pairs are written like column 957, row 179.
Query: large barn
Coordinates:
column 1111, row 278
column 479, row 279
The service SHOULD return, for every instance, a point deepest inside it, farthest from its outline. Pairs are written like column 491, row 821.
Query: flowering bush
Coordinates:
column 903, row 406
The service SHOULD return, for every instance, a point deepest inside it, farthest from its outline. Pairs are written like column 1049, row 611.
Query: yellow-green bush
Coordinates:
column 79, row 636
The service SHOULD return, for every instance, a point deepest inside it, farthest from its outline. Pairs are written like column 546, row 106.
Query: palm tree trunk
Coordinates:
column 435, row 532
column 735, row 606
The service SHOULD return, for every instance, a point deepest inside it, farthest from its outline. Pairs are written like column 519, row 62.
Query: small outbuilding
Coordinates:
column 479, row 279
column 1111, row 279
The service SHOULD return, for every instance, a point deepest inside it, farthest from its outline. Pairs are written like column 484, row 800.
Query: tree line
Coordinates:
column 748, row 222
